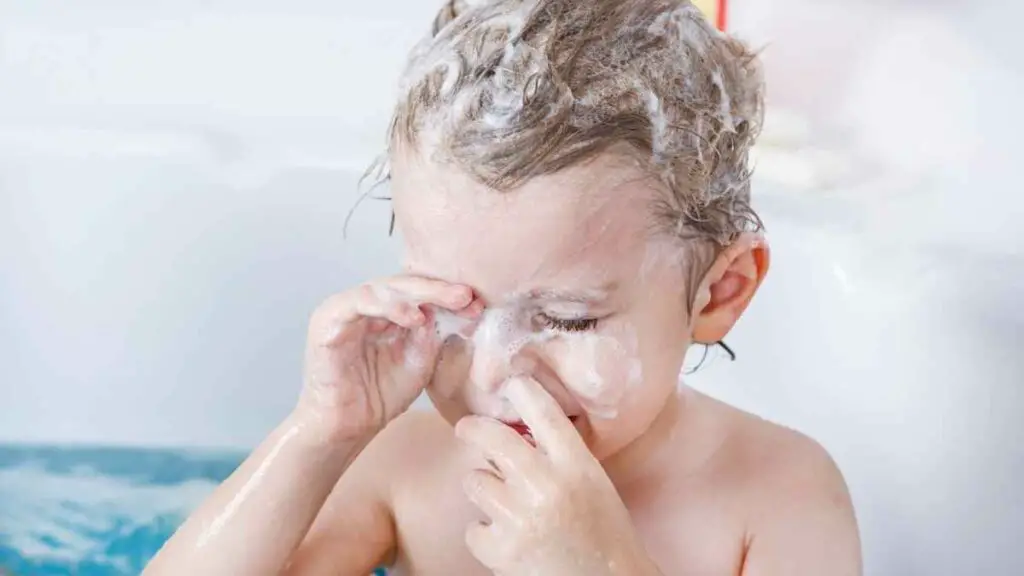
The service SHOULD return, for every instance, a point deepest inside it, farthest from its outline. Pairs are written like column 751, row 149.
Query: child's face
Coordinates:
column 579, row 293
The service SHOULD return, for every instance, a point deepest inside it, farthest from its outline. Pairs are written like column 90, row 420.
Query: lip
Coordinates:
column 524, row 430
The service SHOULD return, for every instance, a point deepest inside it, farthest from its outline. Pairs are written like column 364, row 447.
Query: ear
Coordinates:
column 728, row 287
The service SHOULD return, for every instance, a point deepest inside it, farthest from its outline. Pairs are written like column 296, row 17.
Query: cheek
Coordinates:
column 599, row 369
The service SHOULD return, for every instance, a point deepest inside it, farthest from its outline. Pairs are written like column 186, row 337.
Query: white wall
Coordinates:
column 173, row 181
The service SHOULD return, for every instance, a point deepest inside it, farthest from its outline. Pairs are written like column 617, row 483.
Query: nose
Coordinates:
column 493, row 364
column 499, row 350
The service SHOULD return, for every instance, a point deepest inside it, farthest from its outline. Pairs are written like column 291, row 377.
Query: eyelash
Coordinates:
column 570, row 325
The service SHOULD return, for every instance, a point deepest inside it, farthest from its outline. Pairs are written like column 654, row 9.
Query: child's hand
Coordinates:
column 552, row 508
column 372, row 350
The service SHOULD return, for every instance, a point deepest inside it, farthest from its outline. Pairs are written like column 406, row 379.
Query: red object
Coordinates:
column 519, row 427
column 721, row 15
column 524, row 430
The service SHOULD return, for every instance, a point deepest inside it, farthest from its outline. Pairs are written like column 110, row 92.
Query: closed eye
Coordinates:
column 568, row 325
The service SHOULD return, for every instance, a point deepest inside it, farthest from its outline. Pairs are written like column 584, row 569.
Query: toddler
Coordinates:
column 570, row 181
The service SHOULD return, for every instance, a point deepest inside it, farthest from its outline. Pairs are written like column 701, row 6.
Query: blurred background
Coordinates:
column 174, row 178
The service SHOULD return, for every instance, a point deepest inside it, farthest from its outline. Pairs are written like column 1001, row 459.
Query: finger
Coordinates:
column 402, row 299
column 371, row 302
column 332, row 318
column 421, row 290
column 513, row 457
column 551, row 428
column 486, row 544
column 461, row 323
column 421, row 348
column 365, row 302
column 379, row 325
column 396, row 300
column 491, row 495
column 473, row 310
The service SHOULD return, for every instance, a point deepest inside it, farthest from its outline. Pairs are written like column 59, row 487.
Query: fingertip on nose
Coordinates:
column 461, row 296
column 474, row 309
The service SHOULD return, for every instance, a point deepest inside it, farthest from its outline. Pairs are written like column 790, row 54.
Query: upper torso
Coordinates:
column 721, row 484
column 692, row 520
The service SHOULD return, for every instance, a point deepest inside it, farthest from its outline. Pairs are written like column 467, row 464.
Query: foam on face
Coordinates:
column 447, row 325
column 599, row 368
column 500, row 334
column 607, row 367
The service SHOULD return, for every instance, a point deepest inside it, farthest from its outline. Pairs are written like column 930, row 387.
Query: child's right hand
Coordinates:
column 373, row 349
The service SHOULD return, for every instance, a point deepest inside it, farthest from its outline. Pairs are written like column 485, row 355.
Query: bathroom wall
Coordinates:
column 174, row 181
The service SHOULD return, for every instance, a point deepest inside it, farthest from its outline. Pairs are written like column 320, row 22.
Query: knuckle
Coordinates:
column 324, row 325
column 473, row 485
column 366, row 292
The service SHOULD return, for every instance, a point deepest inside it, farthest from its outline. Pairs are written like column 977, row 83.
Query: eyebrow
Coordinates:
column 582, row 295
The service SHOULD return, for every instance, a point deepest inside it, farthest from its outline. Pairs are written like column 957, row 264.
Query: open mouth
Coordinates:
column 524, row 430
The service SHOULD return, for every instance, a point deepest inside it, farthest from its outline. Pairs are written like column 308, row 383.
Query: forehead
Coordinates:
column 583, row 227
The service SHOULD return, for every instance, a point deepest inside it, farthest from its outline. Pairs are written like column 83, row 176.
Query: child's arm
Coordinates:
column 253, row 522
column 355, row 531
column 358, row 378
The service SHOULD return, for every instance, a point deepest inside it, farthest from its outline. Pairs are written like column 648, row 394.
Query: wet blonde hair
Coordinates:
column 506, row 90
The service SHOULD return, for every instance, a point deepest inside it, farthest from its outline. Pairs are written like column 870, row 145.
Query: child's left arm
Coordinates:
column 808, row 526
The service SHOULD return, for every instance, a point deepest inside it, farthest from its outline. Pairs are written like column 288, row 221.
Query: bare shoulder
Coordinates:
column 801, row 518
column 781, row 462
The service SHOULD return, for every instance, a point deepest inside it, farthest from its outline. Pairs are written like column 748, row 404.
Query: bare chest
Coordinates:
column 685, row 533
